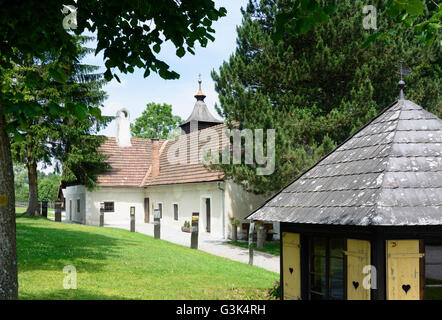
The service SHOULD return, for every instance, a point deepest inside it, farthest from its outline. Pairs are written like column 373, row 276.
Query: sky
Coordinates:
column 134, row 91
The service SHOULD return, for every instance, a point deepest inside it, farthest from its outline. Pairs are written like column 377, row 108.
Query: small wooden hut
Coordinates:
column 366, row 221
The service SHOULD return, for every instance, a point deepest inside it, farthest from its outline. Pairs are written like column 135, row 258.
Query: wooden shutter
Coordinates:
column 291, row 266
column 358, row 256
column 403, row 270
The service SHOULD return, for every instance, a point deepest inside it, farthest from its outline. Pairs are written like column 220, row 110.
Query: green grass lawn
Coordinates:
column 117, row 264
column 272, row 247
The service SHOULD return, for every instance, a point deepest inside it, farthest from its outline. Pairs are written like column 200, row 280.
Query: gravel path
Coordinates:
column 209, row 244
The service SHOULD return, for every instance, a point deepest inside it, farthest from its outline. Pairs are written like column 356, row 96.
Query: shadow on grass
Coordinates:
column 42, row 247
column 73, row 294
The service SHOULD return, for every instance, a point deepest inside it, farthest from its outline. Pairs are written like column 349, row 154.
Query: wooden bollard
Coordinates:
column 156, row 224
column 58, row 211
column 260, row 238
column 101, row 222
column 251, row 230
column 194, row 231
column 44, row 209
column 132, row 219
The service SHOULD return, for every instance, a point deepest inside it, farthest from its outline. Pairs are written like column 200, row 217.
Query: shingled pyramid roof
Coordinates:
column 388, row 173
column 200, row 111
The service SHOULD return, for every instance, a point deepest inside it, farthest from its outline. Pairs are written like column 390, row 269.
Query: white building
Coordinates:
column 153, row 174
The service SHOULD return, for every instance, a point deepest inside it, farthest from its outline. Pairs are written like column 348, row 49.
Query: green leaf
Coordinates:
column 59, row 74
column 17, row 137
column 180, row 52
column 80, row 111
column 108, row 75
column 415, row 7
column 95, row 112
column 370, row 39
column 330, row 9
column 320, row 17
column 156, row 48
column 222, row 11
column 54, row 109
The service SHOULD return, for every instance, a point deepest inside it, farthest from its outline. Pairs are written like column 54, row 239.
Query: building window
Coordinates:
column 433, row 271
column 78, row 205
column 175, row 211
column 109, row 206
column 326, row 269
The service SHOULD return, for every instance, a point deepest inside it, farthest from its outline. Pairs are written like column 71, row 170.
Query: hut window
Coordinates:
column 433, row 271
column 326, row 266
column 78, row 205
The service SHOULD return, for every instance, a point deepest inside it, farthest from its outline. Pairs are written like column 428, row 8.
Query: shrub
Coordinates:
column 275, row 291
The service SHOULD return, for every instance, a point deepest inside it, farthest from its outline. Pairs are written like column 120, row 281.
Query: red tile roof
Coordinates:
column 132, row 166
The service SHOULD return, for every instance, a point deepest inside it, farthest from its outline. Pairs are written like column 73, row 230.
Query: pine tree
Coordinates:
column 316, row 89
column 47, row 136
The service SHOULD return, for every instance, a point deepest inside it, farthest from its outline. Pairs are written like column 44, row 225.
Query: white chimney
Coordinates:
column 123, row 128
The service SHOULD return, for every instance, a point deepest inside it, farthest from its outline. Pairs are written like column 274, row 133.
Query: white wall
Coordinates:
column 72, row 194
column 240, row 204
column 190, row 198
column 123, row 198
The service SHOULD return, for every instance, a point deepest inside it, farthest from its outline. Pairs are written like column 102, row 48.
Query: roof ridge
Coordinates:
column 382, row 174
column 149, row 170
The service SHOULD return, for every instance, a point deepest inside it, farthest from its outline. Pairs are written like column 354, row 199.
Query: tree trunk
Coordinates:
column 8, row 252
column 33, row 205
column 234, row 233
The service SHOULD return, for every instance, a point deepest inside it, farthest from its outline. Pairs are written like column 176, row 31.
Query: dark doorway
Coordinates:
column 146, row 210
column 208, row 215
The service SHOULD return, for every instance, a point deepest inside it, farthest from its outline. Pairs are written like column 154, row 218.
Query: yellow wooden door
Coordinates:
column 403, row 270
column 291, row 266
column 358, row 257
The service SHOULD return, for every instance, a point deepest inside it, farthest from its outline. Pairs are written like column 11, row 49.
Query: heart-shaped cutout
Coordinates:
column 355, row 284
column 406, row 287
column 291, row 270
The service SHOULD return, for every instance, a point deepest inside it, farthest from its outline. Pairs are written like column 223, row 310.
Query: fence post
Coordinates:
column 156, row 224
column 132, row 219
column 194, row 231
column 58, row 211
column 251, row 229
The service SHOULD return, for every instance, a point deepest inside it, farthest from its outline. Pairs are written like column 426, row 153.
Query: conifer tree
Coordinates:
column 49, row 137
column 317, row 89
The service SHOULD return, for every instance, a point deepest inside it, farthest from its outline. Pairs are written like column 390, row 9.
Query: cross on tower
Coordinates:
column 403, row 71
